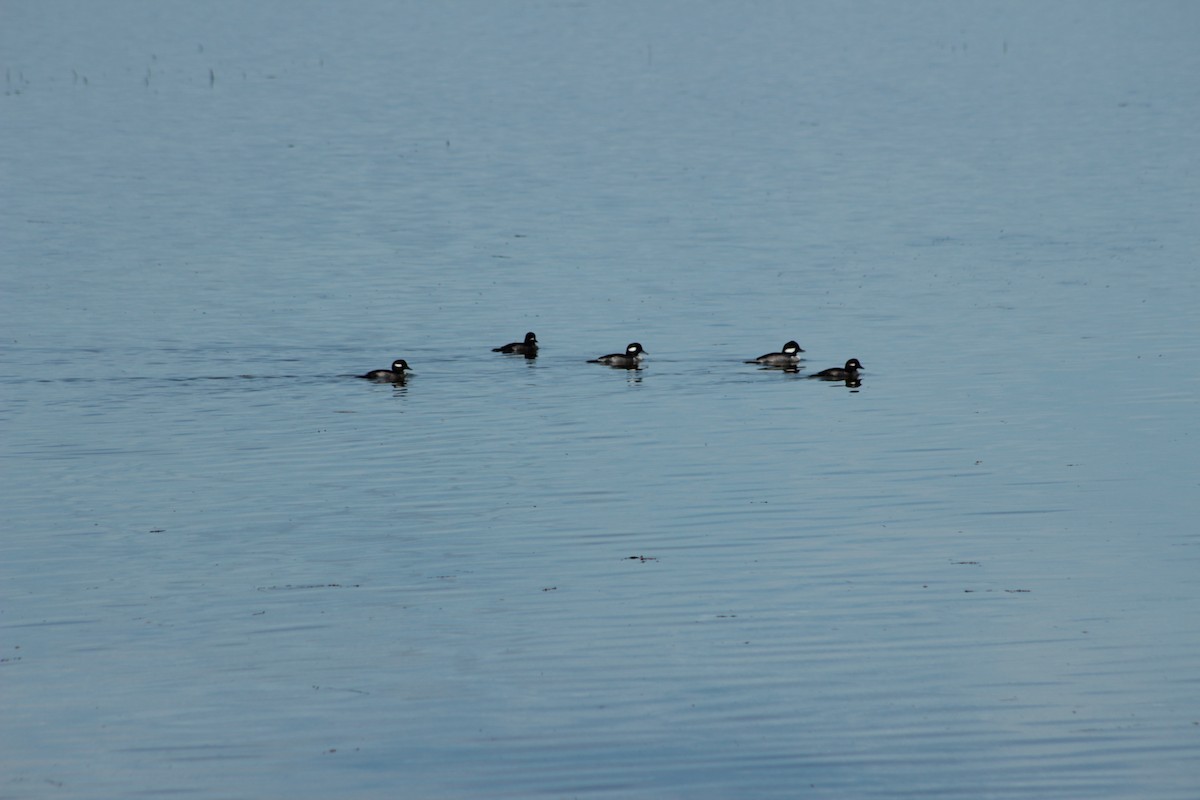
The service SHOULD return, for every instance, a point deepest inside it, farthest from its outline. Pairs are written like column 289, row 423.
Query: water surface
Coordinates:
column 231, row 569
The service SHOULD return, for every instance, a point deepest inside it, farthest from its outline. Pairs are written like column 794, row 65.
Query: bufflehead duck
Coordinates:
column 397, row 374
column 629, row 359
column 847, row 373
column 788, row 358
column 527, row 348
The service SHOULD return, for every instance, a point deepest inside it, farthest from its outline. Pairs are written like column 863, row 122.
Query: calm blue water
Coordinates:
column 230, row 569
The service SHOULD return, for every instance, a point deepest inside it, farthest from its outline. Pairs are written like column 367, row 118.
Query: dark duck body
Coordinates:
column 630, row 359
column 846, row 373
column 397, row 374
column 788, row 357
column 527, row 348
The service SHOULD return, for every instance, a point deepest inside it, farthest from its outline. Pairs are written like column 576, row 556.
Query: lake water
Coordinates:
column 230, row 569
